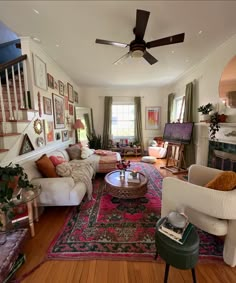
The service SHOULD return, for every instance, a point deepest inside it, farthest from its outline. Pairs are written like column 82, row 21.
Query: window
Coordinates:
column 179, row 106
column 122, row 121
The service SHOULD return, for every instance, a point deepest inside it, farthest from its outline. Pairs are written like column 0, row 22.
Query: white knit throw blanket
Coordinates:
column 80, row 171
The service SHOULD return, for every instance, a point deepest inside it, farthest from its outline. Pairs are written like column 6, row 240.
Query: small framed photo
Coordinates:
column 65, row 135
column 153, row 118
column 49, row 131
column 61, row 87
column 50, row 81
column 76, row 97
column 70, row 92
column 58, row 111
column 47, row 106
column 71, row 112
column 40, row 72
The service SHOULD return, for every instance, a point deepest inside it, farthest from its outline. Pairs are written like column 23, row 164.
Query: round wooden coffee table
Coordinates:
column 120, row 188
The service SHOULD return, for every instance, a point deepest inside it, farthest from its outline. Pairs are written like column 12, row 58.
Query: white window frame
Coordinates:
column 179, row 117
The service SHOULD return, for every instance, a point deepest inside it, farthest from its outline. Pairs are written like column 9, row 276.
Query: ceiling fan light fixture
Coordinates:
column 137, row 53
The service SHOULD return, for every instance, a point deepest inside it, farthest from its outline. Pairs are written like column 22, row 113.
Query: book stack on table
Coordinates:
column 133, row 180
column 175, row 233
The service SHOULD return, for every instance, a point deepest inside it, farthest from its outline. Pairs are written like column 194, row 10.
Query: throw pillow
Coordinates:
column 56, row 160
column 74, row 152
column 46, row 167
column 224, row 181
column 86, row 152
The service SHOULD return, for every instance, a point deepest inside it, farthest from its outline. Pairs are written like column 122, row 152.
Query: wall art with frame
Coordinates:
column 61, row 87
column 49, row 131
column 40, row 72
column 71, row 109
column 70, row 92
column 76, row 97
column 50, row 81
column 26, row 145
column 153, row 118
column 58, row 111
column 47, row 106
column 65, row 135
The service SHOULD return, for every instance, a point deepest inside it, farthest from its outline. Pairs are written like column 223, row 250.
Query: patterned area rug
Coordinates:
column 112, row 228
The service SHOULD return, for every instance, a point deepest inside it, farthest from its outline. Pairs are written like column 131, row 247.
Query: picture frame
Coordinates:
column 50, row 81
column 76, row 97
column 70, row 92
column 58, row 111
column 40, row 72
column 61, row 87
column 71, row 109
column 48, row 131
column 26, row 145
column 153, row 118
column 47, row 106
column 65, row 135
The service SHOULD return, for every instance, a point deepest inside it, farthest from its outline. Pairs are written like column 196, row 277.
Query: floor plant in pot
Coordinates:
column 12, row 179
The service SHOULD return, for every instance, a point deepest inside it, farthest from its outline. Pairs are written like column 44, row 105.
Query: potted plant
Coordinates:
column 214, row 125
column 205, row 110
column 95, row 141
column 12, row 177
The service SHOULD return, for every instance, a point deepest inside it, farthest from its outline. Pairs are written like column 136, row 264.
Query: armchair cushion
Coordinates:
column 224, row 181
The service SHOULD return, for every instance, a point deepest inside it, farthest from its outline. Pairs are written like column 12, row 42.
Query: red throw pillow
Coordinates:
column 56, row 160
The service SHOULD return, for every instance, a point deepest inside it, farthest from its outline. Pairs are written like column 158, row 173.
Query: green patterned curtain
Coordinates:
column 138, row 129
column 189, row 152
column 171, row 97
column 87, row 124
column 107, row 121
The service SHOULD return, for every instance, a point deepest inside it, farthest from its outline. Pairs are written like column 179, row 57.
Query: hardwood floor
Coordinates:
column 104, row 271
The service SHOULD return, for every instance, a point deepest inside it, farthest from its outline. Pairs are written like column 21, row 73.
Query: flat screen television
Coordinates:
column 180, row 133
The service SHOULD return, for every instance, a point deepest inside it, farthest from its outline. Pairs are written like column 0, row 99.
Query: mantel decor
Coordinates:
column 40, row 72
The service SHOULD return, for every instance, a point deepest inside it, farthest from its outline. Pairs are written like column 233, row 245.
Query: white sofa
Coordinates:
column 211, row 210
column 61, row 191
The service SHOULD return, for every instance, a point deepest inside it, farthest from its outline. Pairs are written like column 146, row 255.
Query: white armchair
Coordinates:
column 210, row 210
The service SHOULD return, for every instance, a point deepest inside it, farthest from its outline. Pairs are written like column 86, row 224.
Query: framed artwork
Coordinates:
column 66, row 103
column 70, row 92
column 58, row 136
column 61, row 87
column 47, row 106
column 58, row 111
column 49, row 131
column 153, row 118
column 50, row 81
column 76, row 97
column 55, row 85
column 26, row 145
column 40, row 72
column 71, row 112
column 65, row 135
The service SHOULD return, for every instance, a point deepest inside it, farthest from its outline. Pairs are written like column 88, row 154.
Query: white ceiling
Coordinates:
column 75, row 25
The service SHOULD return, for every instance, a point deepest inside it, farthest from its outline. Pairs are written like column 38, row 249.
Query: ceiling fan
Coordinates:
column 137, row 47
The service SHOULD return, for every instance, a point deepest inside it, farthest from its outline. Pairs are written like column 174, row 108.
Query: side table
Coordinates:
column 10, row 251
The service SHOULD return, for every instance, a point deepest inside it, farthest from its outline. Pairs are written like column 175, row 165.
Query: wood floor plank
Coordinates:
column 105, row 271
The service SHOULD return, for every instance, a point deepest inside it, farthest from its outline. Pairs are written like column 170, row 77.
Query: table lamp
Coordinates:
column 78, row 126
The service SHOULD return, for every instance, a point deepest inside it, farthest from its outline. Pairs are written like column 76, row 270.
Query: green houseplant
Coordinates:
column 11, row 177
column 205, row 109
column 94, row 141
column 214, row 125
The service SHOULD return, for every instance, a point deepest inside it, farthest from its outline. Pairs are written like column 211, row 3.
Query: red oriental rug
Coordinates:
column 111, row 228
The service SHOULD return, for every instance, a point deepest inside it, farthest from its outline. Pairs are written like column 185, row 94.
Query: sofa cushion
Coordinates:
column 224, row 181
column 56, row 160
column 86, row 152
column 46, row 167
column 74, row 152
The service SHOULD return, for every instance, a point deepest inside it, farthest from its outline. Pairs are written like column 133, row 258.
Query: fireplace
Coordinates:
column 222, row 156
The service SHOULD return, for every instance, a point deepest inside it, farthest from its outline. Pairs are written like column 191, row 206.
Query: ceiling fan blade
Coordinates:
column 148, row 57
column 166, row 40
column 108, row 42
column 127, row 55
column 141, row 23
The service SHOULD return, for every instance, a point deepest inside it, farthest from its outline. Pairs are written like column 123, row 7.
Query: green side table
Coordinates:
column 180, row 256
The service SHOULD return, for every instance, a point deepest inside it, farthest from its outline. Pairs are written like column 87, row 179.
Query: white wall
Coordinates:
column 94, row 98
column 29, row 47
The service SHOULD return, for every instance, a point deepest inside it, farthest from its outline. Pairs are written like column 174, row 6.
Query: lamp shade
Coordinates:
column 78, row 124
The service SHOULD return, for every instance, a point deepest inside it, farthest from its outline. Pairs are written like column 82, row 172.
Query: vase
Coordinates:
column 205, row 118
column 122, row 173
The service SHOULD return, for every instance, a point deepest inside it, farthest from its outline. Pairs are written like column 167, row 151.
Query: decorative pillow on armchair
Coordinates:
column 224, row 181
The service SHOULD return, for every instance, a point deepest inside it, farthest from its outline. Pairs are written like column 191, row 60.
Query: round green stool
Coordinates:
column 180, row 256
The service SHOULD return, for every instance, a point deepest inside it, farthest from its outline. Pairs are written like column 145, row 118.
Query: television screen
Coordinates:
column 178, row 132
